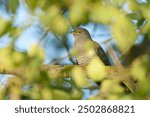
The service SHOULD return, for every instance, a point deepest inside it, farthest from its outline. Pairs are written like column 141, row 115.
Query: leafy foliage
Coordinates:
column 127, row 20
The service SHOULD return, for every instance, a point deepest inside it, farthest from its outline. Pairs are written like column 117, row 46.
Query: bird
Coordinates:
column 86, row 49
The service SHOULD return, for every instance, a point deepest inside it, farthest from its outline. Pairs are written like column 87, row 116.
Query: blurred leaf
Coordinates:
column 99, row 13
column 78, row 12
column 118, row 2
column 76, row 94
column 139, row 71
column 15, row 32
column 141, row 66
column 18, row 59
column 54, row 20
column 145, row 10
column 45, row 4
column 96, row 73
column 108, row 84
column 5, row 57
column 2, row 93
column 13, row 5
column 146, row 27
column 133, row 5
column 15, row 88
column 135, row 16
column 46, row 93
column 5, row 26
column 123, row 32
column 141, row 22
column 121, row 26
column 79, row 77
column 36, row 51
column 142, row 8
column 35, row 92
column 32, row 3
column 61, row 95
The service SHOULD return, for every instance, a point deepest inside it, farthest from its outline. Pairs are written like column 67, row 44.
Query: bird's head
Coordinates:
column 81, row 33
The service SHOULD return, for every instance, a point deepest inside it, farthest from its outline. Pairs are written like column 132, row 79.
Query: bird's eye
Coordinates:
column 79, row 32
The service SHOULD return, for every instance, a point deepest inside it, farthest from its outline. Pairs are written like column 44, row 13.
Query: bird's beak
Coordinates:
column 73, row 32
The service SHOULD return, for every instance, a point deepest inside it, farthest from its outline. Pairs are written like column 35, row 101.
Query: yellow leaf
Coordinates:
column 79, row 77
column 36, row 51
column 59, row 95
column 78, row 11
column 96, row 69
column 123, row 32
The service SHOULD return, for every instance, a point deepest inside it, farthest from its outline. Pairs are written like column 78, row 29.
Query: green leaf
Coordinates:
column 135, row 16
column 31, row 4
column 124, row 32
column 99, row 13
column 13, row 5
column 96, row 73
column 5, row 26
column 79, row 77
column 78, row 12
column 54, row 20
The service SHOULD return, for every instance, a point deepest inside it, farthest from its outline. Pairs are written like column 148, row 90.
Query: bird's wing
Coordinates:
column 100, row 52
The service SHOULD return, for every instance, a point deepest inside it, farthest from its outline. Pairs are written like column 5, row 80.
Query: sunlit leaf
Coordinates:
column 99, row 14
column 5, row 57
column 133, row 5
column 140, row 66
column 76, row 93
column 59, row 94
column 96, row 69
column 108, row 84
column 139, row 71
column 2, row 93
column 15, row 88
column 123, row 32
column 36, row 51
column 78, row 12
column 54, row 20
column 118, row 2
column 79, row 77
column 46, row 93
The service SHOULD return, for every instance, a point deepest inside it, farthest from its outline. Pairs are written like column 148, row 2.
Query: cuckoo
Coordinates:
column 86, row 49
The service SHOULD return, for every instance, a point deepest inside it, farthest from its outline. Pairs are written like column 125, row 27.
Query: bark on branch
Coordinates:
column 64, row 71
column 55, row 71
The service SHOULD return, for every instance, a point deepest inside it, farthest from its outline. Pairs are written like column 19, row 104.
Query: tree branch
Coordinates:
column 57, row 71
column 64, row 71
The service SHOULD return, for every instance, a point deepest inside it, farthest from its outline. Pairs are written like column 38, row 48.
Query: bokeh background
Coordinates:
column 36, row 32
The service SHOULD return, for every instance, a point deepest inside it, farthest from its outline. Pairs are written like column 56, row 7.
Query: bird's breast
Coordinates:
column 84, row 51
column 84, row 59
